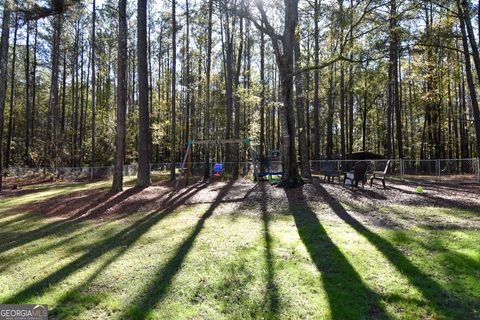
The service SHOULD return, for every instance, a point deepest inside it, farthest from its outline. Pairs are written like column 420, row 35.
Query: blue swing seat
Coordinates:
column 218, row 168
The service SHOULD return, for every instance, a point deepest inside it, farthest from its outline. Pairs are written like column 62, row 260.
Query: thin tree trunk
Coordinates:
column 3, row 75
column 34, row 85
column 26, row 156
column 236, row 129
column 173, row 130
column 206, row 124
column 300, row 102
column 54, row 99
column 94, row 88
column 64, row 91
column 262, row 103
column 12, row 96
column 316, row 85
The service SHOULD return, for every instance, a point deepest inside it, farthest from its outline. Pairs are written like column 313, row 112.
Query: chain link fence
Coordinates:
column 66, row 173
column 445, row 170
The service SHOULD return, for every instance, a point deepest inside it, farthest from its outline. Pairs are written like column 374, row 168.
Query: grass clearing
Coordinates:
column 236, row 251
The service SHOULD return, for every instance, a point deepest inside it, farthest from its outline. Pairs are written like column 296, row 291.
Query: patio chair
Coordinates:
column 359, row 174
column 330, row 173
column 380, row 175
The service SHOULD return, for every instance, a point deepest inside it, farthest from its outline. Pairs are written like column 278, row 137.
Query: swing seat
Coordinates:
column 217, row 169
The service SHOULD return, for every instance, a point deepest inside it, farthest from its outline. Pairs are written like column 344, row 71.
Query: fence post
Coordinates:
column 478, row 169
column 402, row 169
column 91, row 174
column 437, row 164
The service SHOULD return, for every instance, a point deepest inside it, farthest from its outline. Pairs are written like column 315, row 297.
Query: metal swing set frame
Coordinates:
column 187, row 158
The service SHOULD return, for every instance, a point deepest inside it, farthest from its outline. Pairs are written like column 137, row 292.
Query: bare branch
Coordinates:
column 330, row 62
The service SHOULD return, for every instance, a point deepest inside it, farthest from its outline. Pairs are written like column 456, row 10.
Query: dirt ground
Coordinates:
column 399, row 206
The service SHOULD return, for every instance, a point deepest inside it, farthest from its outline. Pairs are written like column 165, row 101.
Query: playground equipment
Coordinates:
column 273, row 165
column 218, row 167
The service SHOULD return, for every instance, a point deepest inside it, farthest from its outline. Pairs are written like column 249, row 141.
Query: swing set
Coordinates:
column 218, row 167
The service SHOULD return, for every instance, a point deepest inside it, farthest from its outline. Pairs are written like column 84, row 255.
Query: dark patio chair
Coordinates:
column 380, row 175
column 359, row 174
column 330, row 173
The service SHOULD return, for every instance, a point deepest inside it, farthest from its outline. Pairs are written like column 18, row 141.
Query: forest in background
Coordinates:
column 320, row 79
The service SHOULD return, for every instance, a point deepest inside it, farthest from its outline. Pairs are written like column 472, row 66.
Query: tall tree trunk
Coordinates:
column 3, row 75
column 75, row 96
column 94, row 88
column 34, row 86
column 143, row 177
column 300, row 102
column 206, row 121
column 227, row 49
column 26, row 156
column 188, row 75
column 342, row 111
column 316, row 86
column 83, row 102
column 350, row 87
column 117, row 184
column 392, row 105
column 54, row 99
column 150, row 79
column 329, row 146
column 12, row 96
column 291, row 177
column 173, row 130
column 465, row 22
column 64, row 91
column 262, row 103
column 236, row 129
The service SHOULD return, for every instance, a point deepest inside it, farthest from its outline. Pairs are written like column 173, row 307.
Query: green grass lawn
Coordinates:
column 219, row 252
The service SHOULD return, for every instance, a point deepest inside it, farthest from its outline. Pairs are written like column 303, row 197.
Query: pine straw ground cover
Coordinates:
column 239, row 250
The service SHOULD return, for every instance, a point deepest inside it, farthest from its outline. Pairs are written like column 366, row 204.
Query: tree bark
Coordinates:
column 465, row 23
column 316, row 86
column 34, row 86
column 117, row 184
column 3, row 75
column 54, row 99
column 206, row 122
column 143, row 176
column 94, row 88
column 26, row 156
column 262, row 103
column 236, row 129
column 291, row 177
column 12, row 96
column 300, row 102
column 173, row 130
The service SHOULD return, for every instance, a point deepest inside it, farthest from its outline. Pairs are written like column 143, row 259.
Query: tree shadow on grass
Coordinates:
column 155, row 292
column 19, row 218
column 273, row 298
column 348, row 296
column 92, row 210
column 428, row 199
column 122, row 240
column 436, row 296
column 8, row 261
